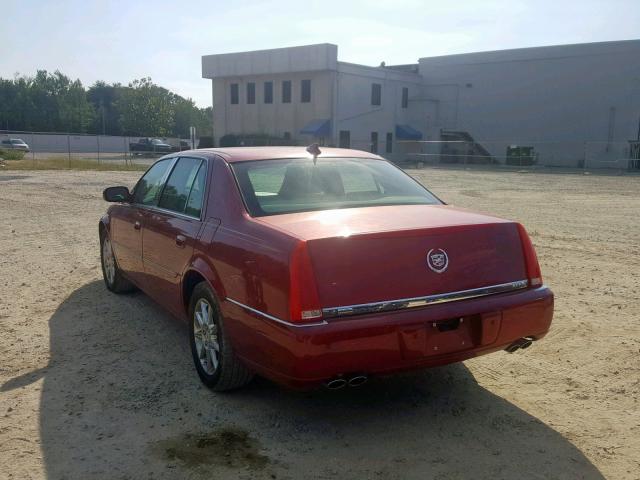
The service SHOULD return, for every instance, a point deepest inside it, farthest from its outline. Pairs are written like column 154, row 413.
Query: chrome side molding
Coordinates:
column 407, row 303
column 275, row 319
column 392, row 305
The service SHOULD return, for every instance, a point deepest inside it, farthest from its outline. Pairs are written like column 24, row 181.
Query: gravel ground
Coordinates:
column 94, row 385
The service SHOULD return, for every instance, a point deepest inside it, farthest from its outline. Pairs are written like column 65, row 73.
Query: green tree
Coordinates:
column 145, row 109
column 104, row 98
column 52, row 102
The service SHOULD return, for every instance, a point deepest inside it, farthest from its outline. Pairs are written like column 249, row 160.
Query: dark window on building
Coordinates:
column 374, row 142
column 389, row 144
column 305, row 91
column 235, row 94
column 405, row 97
column 268, row 92
column 376, row 94
column 345, row 139
column 286, row 91
column 251, row 92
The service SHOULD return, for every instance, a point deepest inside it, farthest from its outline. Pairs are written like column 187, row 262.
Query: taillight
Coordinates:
column 530, row 259
column 304, row 305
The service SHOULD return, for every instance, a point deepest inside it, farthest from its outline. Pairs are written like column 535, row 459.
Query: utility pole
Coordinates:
column 102, row 115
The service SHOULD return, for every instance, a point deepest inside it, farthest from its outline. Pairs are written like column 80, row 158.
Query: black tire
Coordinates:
column 229, row 373
column 116, row 283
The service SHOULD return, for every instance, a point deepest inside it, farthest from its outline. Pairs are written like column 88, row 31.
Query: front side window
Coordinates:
column 149, row 186
column 279, row 186
column 178, row 188
column 305, row 91
column 251, row 93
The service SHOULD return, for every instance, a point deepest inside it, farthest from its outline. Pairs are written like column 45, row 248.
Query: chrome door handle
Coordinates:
column 137, row 225
column 180, row 240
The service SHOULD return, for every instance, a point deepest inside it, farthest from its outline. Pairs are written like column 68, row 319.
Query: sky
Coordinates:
column 118, row 41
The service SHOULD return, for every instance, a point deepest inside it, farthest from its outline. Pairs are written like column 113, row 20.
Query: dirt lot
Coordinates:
column 94, row 385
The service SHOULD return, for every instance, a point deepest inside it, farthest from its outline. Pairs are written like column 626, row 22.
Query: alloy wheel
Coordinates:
column 205, row 333
column 108, row 261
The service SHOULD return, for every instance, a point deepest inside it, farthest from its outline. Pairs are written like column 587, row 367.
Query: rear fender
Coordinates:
column 200, row 265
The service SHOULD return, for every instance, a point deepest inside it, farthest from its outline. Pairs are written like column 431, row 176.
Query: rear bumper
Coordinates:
column 387, row 342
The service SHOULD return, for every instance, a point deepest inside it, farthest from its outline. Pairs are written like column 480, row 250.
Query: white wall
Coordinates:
column 356, row 114
column 306, row 58
column 555, row 98
column 276, row 118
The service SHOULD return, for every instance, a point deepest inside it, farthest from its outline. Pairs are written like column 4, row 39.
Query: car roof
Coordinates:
column 241, row 154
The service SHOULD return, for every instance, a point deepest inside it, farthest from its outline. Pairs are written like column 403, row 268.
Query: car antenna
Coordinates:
column 314, row 149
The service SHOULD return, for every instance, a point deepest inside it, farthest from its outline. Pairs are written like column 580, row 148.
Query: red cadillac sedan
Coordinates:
column 318, row 267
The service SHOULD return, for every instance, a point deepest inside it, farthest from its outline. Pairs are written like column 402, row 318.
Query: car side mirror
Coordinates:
column 116, row 194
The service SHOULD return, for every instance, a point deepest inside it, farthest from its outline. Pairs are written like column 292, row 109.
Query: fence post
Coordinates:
column 584, row 161
column 33, row 152
column 69, row 148
column 98, row 142
column 124, row 142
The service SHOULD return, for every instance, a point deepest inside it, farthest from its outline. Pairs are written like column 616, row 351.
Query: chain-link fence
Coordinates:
column 72, row 148
column 126, row 150
column 621, row 156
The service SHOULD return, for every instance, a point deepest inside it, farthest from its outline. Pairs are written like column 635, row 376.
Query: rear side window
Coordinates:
column 179, row 185
column 149, row 186
column 194, row 204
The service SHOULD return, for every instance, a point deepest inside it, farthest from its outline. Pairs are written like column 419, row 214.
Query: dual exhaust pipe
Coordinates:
column 522, row 343
column 357, row 380
column 341, row 382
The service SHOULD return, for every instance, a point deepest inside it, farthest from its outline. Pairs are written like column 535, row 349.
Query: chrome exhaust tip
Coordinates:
column 336, row 384
column 512, row 348
column 358, row 380
column 524, row 342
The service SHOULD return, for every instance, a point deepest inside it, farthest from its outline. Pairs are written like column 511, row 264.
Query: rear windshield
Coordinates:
column 271, row 187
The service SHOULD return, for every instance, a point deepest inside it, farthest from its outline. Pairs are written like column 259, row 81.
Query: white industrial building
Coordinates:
column 571, row 103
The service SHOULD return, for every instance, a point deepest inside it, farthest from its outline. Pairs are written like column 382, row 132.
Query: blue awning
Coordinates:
column 405, row 132
column 317, row 128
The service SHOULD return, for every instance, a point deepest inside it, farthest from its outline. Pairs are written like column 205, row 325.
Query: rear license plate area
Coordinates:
column 452, row 334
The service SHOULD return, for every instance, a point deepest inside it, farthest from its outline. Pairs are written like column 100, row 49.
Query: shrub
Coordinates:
column 229, row 140
column 205, row 142
column 12, row 154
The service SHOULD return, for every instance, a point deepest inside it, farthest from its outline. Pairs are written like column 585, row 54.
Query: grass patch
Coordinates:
column 11, row 154
column 73, row 164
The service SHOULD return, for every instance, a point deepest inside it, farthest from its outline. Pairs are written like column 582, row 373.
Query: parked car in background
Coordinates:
column 14, row 144
column 150, row 145
column 313, row 268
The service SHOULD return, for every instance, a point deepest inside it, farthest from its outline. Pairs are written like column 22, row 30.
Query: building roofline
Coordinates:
column 270, row 50
column 533, row 53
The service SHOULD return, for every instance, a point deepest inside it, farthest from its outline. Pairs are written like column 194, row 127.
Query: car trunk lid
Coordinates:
column 365, row 255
